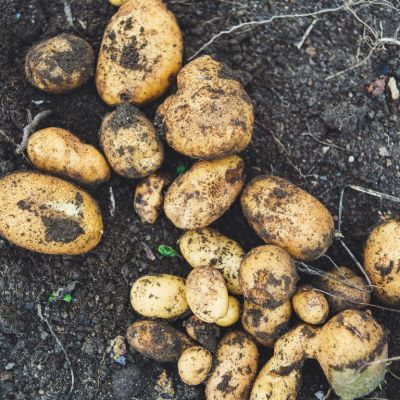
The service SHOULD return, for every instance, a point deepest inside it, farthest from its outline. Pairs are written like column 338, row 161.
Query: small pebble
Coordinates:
column 10, row 366
column 351, row 159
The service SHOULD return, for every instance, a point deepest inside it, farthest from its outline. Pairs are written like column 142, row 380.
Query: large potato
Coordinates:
column 203, row 193
column 130, row 143
column 207, row 247
column 211, row 115
column 59, row 152
column 140, row 54
column 194, row 365
column 202, row 332
column 159, row 296
column 60, row 64
column 47, row 214
column 283, row 214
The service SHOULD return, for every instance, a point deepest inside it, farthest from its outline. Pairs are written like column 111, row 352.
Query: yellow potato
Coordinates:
column 48, row 215
column 60, row 64
column 140, row 54
column 59, row 152
column 194, row 365
column 283, row 214
column 202, row 332
column 211, row 116
column 203, row 193
column 117, row 3
column 233, row 314
column 130, row 143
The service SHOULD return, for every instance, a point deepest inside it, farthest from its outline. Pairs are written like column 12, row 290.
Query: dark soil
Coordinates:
column 355, row 140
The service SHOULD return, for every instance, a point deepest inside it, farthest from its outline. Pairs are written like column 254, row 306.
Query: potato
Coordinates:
column 47, row 214
column 211, row 116
column 58, row 151
column 207, row 294
column 207, row 247
column 117, row 3
column 140, row 54
column 233, row 314
column 268, row 276
column 346, row 289
column 235, row 368
column 283, row 214
column 382, row 260
column 158, row 340
column 130, row 143
column 202, row 332
column 194, row 365
column 310, row 305
column 203, row 193
column 159, row 296
column 264, row 324
column 60, row 64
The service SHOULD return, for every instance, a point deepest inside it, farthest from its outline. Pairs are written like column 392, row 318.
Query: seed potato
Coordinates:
column 60, row 64
column 130, row 143
column 232, row 315
column 159, row 296
column 283, row 214
column 203, row 193
column 211, row 116
column 194, row 365
column 58, row 151
column 140, row 54
column 202, row 332
column 207, row 247
column 48, row 215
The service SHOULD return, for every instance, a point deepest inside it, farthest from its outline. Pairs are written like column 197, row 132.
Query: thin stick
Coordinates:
column 68, row 12
column 299, row 45
column 112, row 202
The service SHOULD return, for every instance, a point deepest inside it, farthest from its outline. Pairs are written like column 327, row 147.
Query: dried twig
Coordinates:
column 299, row 45
column 68, row 13
column 112, row 202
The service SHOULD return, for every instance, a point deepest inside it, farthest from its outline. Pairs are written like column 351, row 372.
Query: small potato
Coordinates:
column 207, row 294
column 202, row 332
column 203, row 193
column 207, row 247
column 159, row 296
column 117, row 3
column 149, row 197
column 235, row 370
column 59, row 152
column 60, row 64
column 233, row 314
column 48, row 215
column 158, row 340
column 268, row 276
column 194, row 365
column 310, row 305
column 130, row 143
column 210, row 116
column 283, row 214
column 140, row 54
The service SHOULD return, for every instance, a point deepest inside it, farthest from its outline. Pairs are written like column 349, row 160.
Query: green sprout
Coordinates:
column 52, row 297
column 67, row 298
column 167, row 251
column 180, row 169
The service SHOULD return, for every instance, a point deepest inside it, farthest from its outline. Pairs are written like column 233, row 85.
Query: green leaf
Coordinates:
column 180, row 169
column 67, row 298
column 167, row 251
column 52, row 297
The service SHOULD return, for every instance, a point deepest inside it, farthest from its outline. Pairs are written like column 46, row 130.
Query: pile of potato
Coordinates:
column 210, row 119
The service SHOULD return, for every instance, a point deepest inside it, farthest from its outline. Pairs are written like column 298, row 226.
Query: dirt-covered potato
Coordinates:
column 283, row 214
column 194, row 365
column 203, row 193
column 235, row 370
column 130, row 143
column 345, row 289
column 158, row 340
column 310, row 305
column 232, row 315
column 211, row 116
column 59, row 152
column 140, row 54
column 207, row 294
column 268, row 276
column 202, row 332
column 47, row 214
column 382, row 260
column 207, row 247
column 264, row 324
column 159, row 296
column 60, row 64
column 148, row 199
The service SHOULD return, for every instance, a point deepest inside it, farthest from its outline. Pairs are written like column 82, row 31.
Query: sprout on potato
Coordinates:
column 194, row 365
column 202, row 332
column 232, row 315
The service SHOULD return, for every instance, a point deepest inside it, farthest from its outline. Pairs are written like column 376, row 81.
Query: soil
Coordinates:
column 320, row 134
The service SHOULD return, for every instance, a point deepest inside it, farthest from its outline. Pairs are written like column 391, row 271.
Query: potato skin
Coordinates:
column 207, row 247
column 130, row 143
column 211, row 116
column 60, row 64
column 194, row 365
column 58, row 151
column 159, row 296
column 232, row 315
column 140, row 54
column 48, row 215
column 268, row 276
column 283, row 214
column 202, row 332
column 203, row 193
